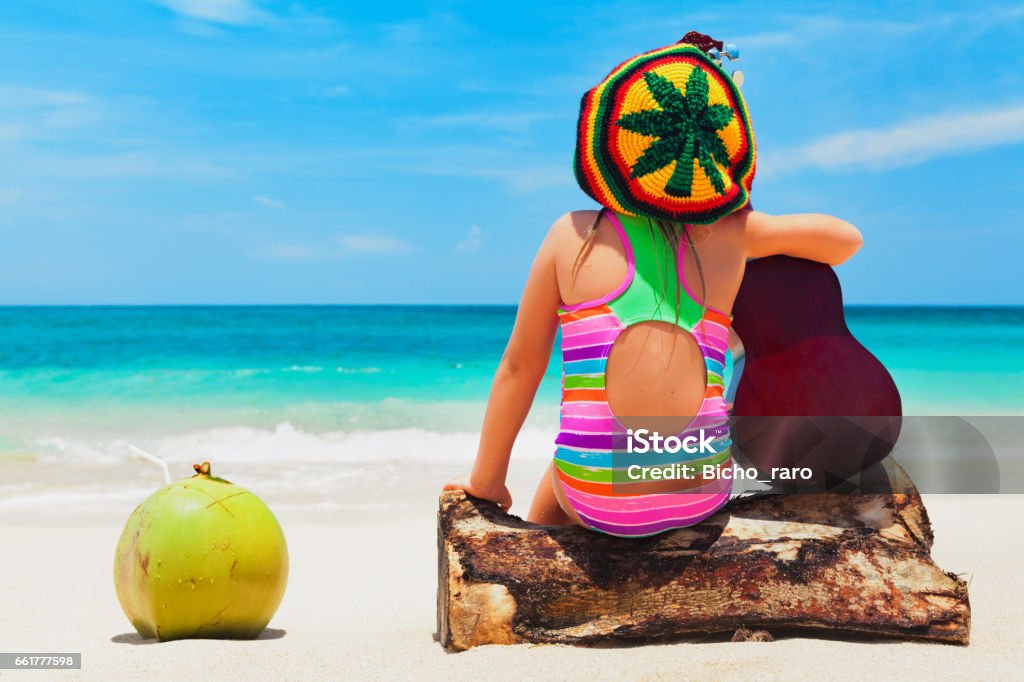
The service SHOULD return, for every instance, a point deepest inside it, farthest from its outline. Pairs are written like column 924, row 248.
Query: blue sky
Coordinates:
column 236, row 151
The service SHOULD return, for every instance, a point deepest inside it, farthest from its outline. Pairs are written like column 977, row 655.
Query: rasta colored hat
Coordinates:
column 666, row 135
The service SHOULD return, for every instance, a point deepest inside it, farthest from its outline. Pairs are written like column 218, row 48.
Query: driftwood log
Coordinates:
column 843, row 563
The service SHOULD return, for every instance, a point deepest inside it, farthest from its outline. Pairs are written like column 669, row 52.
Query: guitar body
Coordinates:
column 810, row 394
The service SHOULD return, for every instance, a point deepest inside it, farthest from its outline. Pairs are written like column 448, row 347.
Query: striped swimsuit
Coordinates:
column 591, row 458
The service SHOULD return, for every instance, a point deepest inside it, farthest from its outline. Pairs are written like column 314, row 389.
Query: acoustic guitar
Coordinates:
column 810, row 395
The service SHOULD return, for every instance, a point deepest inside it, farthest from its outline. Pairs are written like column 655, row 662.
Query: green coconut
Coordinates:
column 201, row 558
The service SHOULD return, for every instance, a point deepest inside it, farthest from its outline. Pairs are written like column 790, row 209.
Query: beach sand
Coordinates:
column 361, row 605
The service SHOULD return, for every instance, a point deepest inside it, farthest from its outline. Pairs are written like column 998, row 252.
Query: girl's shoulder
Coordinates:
column 575, row 223
column 570, row 230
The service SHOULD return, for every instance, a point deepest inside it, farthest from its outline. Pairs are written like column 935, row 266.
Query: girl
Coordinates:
column 642, row 291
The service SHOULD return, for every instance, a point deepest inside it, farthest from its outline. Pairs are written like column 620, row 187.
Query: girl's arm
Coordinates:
column 816, row 237
column 515, row 383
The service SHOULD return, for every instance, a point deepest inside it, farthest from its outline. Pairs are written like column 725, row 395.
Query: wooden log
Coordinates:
column 854, row 564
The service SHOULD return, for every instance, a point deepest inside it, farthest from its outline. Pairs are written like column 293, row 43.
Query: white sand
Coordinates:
column 360, row 605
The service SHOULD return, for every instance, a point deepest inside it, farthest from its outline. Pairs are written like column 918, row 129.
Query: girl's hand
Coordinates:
column 499, row 495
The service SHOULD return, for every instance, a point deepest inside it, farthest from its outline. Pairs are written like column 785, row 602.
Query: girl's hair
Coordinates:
column 673, row 233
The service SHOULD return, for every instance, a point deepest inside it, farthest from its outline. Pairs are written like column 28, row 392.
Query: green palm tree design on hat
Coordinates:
column 687, row 128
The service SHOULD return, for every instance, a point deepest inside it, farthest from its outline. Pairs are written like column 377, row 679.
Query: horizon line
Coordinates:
column 428, row 305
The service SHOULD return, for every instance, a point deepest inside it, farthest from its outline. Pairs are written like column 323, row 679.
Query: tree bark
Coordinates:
column 852, row 564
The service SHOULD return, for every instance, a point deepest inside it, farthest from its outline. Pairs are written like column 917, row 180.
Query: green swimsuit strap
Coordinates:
column 652, row 294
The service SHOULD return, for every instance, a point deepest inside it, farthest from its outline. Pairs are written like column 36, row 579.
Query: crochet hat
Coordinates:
column 666, row 135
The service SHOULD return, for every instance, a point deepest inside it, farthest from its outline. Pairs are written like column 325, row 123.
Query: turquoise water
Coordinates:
column 269, row 360
column 325, row 406
column 270, row 357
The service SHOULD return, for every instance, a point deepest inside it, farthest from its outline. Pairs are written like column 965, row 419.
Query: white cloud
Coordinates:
column 337, row 249
column 757, row 41
column 228, row 12
column 908, row 143
column 268, row 202
column 288, row 252
column 370, row 243
column 522, row 172
column 800, row 32
column 129, row 165
column 336, row 91
column 512, row 123
column 474, row 237
column 12, row 133
column 24, row 97
column 36, row 113
column 437, row 27
column 525, row 178
column 50, row 133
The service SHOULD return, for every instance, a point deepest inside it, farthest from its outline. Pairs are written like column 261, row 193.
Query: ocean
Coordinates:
column 313, row 400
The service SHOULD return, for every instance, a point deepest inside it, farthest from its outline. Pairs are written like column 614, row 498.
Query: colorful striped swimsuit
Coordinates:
column 591, row 458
